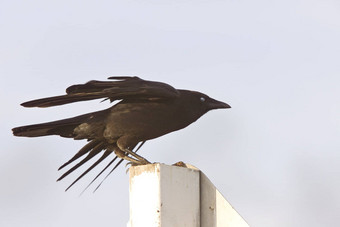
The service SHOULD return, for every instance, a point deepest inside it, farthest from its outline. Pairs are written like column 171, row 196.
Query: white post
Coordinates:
column 172, row 196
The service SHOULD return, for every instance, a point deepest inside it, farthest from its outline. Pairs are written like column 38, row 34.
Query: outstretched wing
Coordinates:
column 120, row 88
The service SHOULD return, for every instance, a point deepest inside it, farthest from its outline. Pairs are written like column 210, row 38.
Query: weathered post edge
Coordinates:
column 163, row 195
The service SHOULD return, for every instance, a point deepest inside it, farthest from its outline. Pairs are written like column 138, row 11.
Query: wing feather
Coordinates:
column 122, row 88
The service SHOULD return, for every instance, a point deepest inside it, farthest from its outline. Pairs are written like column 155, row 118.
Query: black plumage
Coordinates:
column 146, row 110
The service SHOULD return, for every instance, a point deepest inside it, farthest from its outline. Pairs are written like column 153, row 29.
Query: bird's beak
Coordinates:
column 215, row 104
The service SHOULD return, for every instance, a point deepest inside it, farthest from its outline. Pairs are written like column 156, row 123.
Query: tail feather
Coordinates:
column 63, row 127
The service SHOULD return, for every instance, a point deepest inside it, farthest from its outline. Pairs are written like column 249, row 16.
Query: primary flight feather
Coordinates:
column 146, row 110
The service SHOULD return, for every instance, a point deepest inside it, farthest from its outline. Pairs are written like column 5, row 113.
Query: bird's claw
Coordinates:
column 141, row 162
column 137, row 163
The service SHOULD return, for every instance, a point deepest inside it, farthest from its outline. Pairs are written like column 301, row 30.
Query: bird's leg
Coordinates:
column 138, row 157
column 123, row 155
column 133, row 161
column 124, row 143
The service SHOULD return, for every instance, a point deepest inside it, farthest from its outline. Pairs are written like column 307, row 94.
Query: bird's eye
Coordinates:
column 202, row 99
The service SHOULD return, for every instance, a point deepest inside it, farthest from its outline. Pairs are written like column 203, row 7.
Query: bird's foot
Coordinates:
column 136, row 163
column 140, row 160
column 133, row 163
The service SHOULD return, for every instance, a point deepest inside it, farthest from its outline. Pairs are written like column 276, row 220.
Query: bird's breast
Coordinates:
column 143, row 120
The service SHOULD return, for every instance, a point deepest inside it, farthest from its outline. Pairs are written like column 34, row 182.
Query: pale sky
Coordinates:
column 275, row 155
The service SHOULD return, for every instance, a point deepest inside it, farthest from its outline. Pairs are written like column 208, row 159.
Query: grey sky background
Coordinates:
column 275, row 155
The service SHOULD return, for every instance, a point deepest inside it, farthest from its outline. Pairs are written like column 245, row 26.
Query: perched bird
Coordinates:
column 146, row 110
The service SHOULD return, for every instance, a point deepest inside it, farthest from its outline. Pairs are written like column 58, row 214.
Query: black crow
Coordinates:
column 146, row 110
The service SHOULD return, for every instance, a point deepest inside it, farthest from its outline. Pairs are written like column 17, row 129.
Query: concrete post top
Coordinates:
column 177, row 195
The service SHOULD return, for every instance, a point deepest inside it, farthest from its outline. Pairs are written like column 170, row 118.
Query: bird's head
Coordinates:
column 200, row 103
